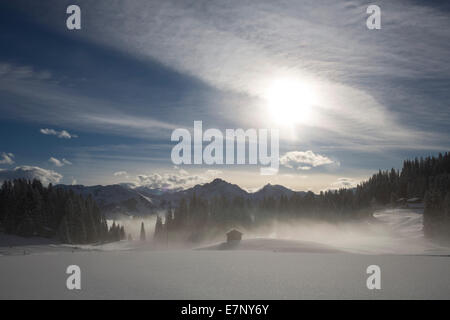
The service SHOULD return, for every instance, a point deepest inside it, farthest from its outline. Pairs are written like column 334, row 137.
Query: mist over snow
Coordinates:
column 392, row 231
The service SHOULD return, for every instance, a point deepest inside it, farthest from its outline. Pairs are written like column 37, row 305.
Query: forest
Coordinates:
column 424, row 178
column 27, row 208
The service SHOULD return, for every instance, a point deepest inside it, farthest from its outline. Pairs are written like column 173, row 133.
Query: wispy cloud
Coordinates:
column 60, row 134
column 376, row 90
column 120, row 174
column 6, row 158
column 30, row 172
column 55, row 104
column 213, row 173
column 243, row 47
column 304, row 160
column 342, row 183
column 59, row 163
column 169, row 181
column 178, row 180
column 22, row 72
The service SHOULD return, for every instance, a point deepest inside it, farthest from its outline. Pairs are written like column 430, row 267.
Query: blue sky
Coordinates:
column 137, row 70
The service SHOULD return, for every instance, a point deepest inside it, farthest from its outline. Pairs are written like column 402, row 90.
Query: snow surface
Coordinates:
column 264, row 268
column 191, row 274
column 275, row 245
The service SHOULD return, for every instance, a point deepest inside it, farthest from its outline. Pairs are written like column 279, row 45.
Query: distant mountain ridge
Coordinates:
column 275, row 191
column 115, row 199
column 128, row 200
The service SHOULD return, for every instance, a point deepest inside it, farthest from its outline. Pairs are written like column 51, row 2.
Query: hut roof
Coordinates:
column 234, row 231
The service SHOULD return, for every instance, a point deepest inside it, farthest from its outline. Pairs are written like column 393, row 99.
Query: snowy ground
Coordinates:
column 223, row 275
column 411, row 267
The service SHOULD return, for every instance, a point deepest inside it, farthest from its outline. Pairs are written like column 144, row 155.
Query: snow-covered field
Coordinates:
column 223, row 275
column 269, row 268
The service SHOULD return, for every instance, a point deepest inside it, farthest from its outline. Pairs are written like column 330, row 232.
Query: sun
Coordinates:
column 290, row 101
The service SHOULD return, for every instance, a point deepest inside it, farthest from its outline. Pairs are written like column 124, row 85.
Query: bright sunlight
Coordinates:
column 290, row 101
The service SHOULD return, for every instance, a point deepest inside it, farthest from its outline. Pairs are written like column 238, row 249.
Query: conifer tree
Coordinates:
column 142, row 235
column 158, row 228
column 27, row 208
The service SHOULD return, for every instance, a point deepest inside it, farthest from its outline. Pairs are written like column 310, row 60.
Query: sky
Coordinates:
column 98, row 105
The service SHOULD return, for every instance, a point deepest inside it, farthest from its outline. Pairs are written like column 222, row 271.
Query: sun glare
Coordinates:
column 290, row 101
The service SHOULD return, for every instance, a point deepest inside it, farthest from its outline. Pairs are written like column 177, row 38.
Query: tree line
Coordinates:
column 424, row 178
column 27, row 208
column 194, row 218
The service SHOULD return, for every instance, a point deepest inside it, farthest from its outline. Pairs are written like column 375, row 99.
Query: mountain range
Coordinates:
column 127, row 199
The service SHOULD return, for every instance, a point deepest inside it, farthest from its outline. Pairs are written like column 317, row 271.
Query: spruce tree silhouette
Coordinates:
column 142, row 232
